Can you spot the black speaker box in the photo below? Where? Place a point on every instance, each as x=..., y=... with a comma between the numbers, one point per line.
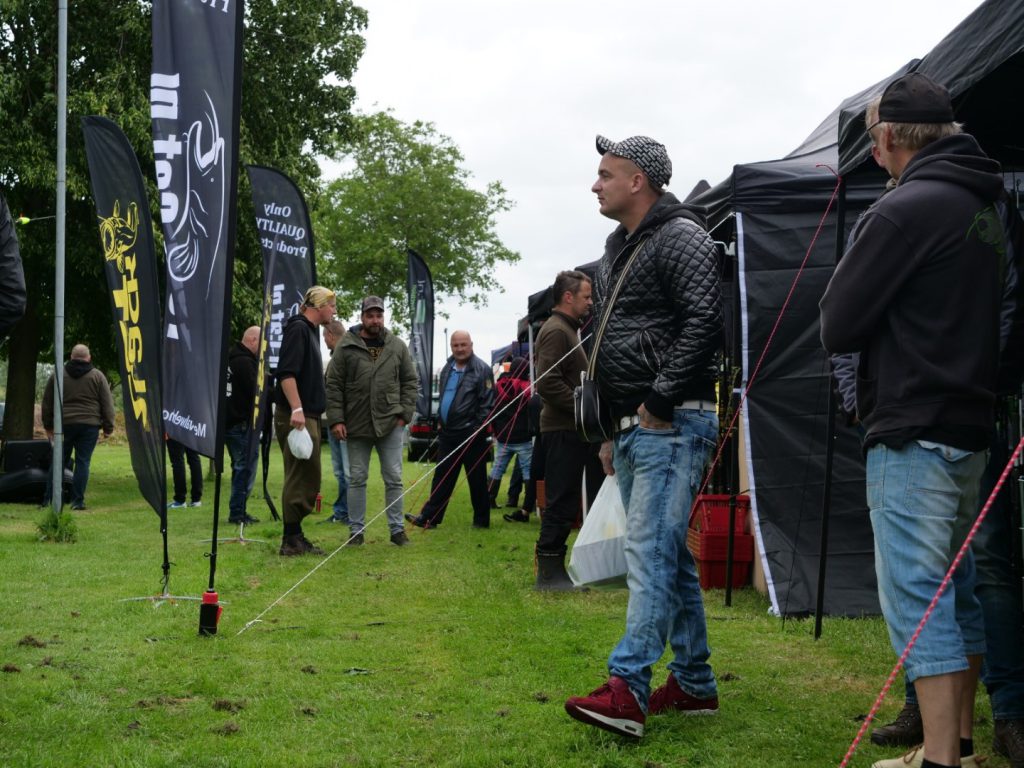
x=26, y=454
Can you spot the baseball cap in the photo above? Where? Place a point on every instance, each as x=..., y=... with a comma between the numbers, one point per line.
x=914, y=98
x=649, y=155
x=373, y=302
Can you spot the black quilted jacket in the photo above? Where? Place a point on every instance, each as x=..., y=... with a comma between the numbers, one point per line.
x=662, y=340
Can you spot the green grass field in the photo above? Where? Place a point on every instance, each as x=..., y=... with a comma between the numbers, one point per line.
x=438, y=653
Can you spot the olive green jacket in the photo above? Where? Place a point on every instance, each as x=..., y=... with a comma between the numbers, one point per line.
x=369, y=397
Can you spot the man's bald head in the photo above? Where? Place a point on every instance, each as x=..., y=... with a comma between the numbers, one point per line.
x=251, y=338
x=462, y=346
x=80, y=352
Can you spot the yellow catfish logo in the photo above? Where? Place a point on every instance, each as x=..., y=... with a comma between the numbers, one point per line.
x=119, y=235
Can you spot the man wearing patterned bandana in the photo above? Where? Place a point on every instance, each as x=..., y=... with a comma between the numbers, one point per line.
x=656, y=365
x=299, y=400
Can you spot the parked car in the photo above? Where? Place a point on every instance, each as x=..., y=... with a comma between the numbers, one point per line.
x=423, y=433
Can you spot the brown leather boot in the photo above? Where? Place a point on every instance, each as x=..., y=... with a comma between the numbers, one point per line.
x=906, y=730
x=292, y=546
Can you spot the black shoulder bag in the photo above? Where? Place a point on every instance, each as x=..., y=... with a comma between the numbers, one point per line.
x=593, y=419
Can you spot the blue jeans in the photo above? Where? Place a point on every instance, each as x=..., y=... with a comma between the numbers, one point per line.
x=236, y=439
x=659, y=473
x=389, y=451
x=923, y=499
x=339, y=463
x=82, y=439
x=522, y=451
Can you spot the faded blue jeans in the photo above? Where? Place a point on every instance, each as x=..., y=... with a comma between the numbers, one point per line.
x=659, y=474
x=522, y=451
x=923, y=499
x=389, y=450
x=1000, y=595
x=339, y=464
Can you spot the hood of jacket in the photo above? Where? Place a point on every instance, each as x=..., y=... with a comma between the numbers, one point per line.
x=665, y=208
x=239, y=350
x=958, y=160
x=76, y=369
x=353, y=338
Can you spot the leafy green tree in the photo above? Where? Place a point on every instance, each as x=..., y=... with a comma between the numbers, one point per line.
x=299, y=58
x=407, y=189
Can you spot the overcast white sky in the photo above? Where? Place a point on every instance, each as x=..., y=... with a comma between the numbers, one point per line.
x=522, y=88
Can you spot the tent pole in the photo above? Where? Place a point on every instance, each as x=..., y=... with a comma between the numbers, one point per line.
x=57, y=463
x=830, y=434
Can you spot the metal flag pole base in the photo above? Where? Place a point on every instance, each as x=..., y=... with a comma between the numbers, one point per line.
x=165, y=596
x=158, y=600
x=239, y=539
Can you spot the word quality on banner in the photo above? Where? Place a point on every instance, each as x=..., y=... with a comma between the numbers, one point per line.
x=289, y=265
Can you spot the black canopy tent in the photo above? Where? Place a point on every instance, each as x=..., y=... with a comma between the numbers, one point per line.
x=540, y=304
x=772, y=210
x=981, y=62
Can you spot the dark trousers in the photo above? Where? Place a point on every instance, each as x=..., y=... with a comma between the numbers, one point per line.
x=515, y=484
x=81, y=439
x=179, y=454
x=236, y=440
x=471, y=457
x=566, y=457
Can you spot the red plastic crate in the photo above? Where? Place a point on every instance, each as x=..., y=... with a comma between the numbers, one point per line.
x=712, y=513
x=715, y=546
x=712, y=574
x=710, y=549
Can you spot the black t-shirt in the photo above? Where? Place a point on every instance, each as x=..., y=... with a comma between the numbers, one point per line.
x=374, y=347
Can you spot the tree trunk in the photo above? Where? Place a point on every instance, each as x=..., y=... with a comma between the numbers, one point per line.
x=22, y=355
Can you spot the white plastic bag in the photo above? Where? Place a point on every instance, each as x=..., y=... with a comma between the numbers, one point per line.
x=599, y=555
x=300, y=443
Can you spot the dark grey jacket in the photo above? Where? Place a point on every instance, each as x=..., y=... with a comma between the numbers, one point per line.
x=660, y=346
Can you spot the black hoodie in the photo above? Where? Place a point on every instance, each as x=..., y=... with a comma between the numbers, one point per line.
x=242, y=370
x=300, y=360
x=918, y=294
x=660, y=345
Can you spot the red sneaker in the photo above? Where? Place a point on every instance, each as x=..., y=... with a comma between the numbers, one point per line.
x=671, y=696
x=612, y=707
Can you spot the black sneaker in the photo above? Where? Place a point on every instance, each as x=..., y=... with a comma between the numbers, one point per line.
x=519, y=516
x=399, y=538
x=1008, y=741
x=333, y=519
x=243, y=520
x=419, y=522
x=906, y=730
x=356, y=540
